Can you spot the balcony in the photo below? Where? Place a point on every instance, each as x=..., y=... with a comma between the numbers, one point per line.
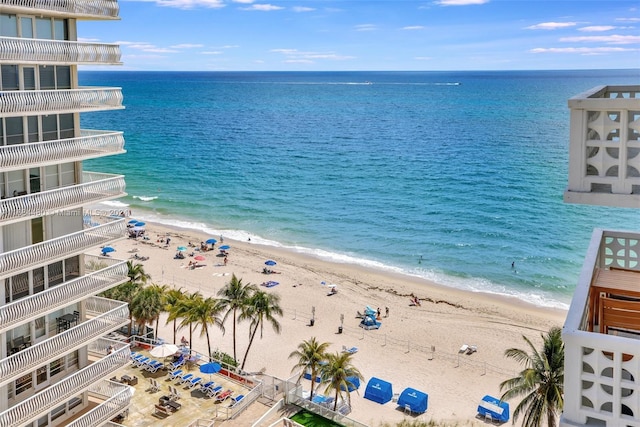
x=104, y=315
x=112, y=273
x=604, y=150
x=95, y=187
x=91, y=144
x=27, y=258
x=16, y=50
x=79, y=9
x=602, y=341
x=41, y=403
x=24, y=102
x=114, y=399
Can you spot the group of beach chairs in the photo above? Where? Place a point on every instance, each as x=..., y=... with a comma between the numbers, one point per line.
x=209, y=388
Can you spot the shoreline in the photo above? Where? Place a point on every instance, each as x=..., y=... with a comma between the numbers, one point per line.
x=417, y=346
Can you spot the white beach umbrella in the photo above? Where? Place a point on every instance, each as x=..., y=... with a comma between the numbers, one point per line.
x=164, y=350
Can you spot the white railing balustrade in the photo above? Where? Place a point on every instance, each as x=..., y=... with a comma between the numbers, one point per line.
x=19, y=50
x=95, y=188
x=77, y=8
x=116, y=399
x=109, y=315
x=65, y=294
x=24, y=259
x=51, y=397
x=91, y=144
x=20, y=102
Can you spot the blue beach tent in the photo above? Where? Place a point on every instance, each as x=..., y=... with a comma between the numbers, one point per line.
x=354, y=383
x=494, y=407
x=416, y=400
x=378, y=390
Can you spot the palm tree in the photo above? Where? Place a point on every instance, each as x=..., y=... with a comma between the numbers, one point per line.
x=310, y=354
x=126, y=292
x=136, y=273
x=235, y=295
x=262, y=307
x=172, y=301
x=146, y=306
x=541, y=382
x=337, y=374
x=185, y=311
x=204, y=312
x=162, y=291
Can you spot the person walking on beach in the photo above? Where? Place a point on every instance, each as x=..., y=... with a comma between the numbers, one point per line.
x=386, y=312
x=225, y=260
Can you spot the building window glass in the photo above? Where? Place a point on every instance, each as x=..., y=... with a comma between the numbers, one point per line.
x=34, y=180
x=67, y=129
x=32, y=129
x=44, y=28
x=23, y=383
x=56, y=366
x=29, y=78
x=8, y=26
x=15, y=132
x=60, y=29
x=47, y=77
x=55, y=273
x=49, y=127
x=67, y=174
x=51, y=177
x=38, y=280
x=26, y=27
x=10, y=79
x=63, y=77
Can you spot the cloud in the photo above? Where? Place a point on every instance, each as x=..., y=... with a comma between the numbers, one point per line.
x=298, y=61
x=551, y=25
x=597, y=28
x=263, y=7
x=302, y=9
x=186, y=46
x=612, y=39
x=146, y=47
x=365, y=27
x=211, y=52
x=243, y=1
x=297, y=56
x=459, y=2
x=187, y=4
x=414, y=27
x=628, y=19
x=581, y=50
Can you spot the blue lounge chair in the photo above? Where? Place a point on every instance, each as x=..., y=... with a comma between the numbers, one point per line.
x=184, y=378
x=213, y=392
x=153, y=366
x=175, y=374
x=177, y=363
x=235, y=400
x=205, y=386
x=194, y=382
x=141, y=362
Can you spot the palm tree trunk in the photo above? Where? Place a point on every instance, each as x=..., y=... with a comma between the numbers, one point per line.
x=234, y=336
x=155, y=331
x=175, y=329
x=253, y=334
x=191, y=335
x=206, y=331
x=313, y=382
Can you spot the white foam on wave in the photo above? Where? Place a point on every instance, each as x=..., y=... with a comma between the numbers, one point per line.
x=114, y=204
x=145, y=198
x=537, y=298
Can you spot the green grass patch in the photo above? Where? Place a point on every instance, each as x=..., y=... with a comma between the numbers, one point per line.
x=309, y=419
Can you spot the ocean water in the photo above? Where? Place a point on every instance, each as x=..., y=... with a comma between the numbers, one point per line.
x=448, y=176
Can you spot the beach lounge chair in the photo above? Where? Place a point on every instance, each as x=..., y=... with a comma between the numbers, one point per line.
x=173, y=393
x=215, y=391
x=177, y=363
x=153, y=366
x=351, y=350
x=472, y=349
x=154, y=386
x=205, y=386
x=194, y=382
x=175, y=374
x=235, y=400
x=464, y=348
x=224, y=396
x=141, y=362
x=183, y=379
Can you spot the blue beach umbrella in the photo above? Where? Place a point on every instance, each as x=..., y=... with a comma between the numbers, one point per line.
x=210, y=368
x=139, y=224
x=133, y=221
x=107, y=249
x=270, y=262
x=182, y=248
x=224, y=247
x=211, y=241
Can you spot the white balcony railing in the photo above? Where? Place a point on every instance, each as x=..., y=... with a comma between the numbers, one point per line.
x=109, y=315
x=91, y=144
x=96, y=187
x=115, y=398
x=20, y=102
x=96, y=9
x=601, y=383
x=113, y=273
x=604, y=147
x=22, y=50
x=29, y=257
x=51, y=397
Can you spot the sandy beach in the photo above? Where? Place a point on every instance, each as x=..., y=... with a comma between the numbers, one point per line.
x=417, y=346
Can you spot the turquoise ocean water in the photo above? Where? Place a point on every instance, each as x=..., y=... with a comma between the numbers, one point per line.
x=451, y=176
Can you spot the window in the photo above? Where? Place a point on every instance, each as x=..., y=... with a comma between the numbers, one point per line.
x=23, y=383
x=9, y=77
x=19, y=286
x=26, y=27
x=56, y=366
x=55, y=273
x=38, y=280
x=37, y=230
x=8, y=26
x=47, y=77
x=29, y=78
x=67, y=129
x=49, y=127
x=15, y=181
x=32, y=128
x=67, y=174
x=44, y=28
x=51, y=177
x=63, y=78
x=60, y=29
x=34, y=180
x=14, y=130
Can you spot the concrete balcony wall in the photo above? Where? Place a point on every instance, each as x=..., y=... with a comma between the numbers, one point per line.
x=79, y=9
x=16, y=313
x=90, y=144
x=602, y=373
x=16, y=50
x=28, y=102
x=96, y=187
x=29, y=257
x=41, y=403
x=604, y=150
x=105, y=315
